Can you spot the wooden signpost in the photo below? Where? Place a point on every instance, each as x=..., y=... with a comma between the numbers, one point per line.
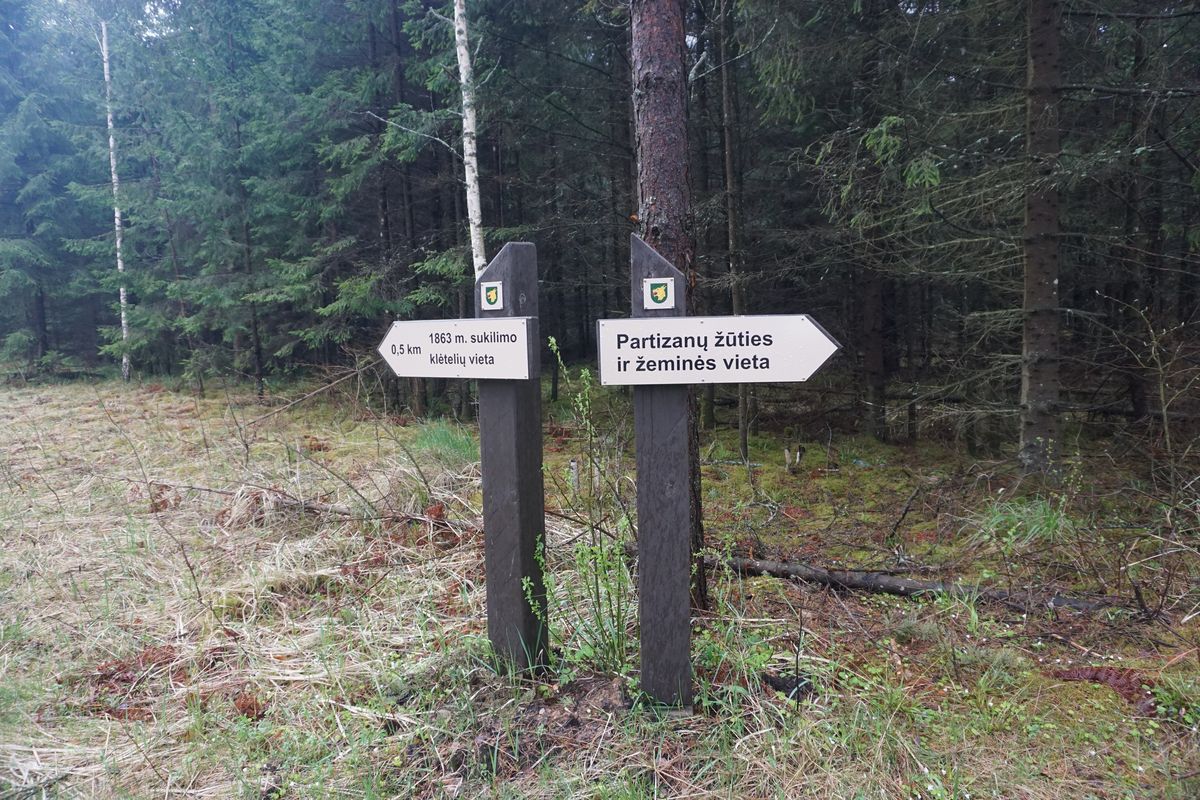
x=510, y=449
x=500, y=348
x=459, y=348
x=659, y=352
x=664, y=509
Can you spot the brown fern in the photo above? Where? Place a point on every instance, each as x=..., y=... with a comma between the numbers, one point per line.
x=1131, y=684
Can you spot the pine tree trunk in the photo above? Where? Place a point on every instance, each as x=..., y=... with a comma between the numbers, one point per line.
x=874, y=287
x=462, y=386
x=706, y=243
x=733, y=222
x=664, y=198
x=41, y=335
x=874, y=356
x=255, y=334
x=1135, y=291
x=914, y=319
x=556, y=281
x=398, y=94
x=118, y=228
x=1040, y=420
x=256, y=349
x=383, y=210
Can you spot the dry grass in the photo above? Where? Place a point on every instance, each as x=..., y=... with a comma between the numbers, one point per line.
x=195, y=606
x=143, y=522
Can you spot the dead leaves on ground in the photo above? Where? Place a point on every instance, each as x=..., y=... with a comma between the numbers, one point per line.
x=1131, y=684
x=574, y=717
x=124, y=688
x=132, y=689
x=159, y=497
x=249, y=705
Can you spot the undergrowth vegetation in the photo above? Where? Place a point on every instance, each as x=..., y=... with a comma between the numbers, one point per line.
x=200, y=597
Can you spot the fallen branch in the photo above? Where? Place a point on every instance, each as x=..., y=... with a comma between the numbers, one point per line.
x=313, y=393
x=906, y=587
x=285, y=500
x=312, y=506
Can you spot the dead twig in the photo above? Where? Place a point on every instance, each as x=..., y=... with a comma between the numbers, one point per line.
x=904, y=512
x=312, y=394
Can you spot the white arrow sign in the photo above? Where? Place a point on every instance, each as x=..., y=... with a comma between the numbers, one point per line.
x=764, y=349
x=496, y=348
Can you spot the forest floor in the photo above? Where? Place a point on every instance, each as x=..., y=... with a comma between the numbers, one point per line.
x=199, y=601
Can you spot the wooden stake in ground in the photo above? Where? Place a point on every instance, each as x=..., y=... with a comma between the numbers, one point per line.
x=664, y=508
x=116, y=186
x=510, y=445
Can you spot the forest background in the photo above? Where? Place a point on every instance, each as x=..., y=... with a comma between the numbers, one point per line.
x=290, y=180
x=256, y=569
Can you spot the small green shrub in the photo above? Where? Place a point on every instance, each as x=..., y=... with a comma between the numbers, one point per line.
x=17, y=346
x=1015, y=525
x=912, y=628
x=591, y=612
x=1178, y=700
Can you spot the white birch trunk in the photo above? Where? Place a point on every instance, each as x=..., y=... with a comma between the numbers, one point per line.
x=470, y=154
x=116, y=186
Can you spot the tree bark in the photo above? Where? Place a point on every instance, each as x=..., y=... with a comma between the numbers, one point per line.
x=118, y=228
x=658, y=59
x=41, y=334
x=1040, y=419
x=706, y=245
x=660, y=122
x=470, y=147
x=733, y=205
x=874, y=355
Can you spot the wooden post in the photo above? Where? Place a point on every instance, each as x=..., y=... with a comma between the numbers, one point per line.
x=510, y=444
x=664, y=510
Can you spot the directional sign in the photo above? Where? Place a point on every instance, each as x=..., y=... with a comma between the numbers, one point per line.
x=495, y=348
x=677, y=350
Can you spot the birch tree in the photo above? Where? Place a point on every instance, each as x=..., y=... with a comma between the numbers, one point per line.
x=116, y=192
x=470, y=150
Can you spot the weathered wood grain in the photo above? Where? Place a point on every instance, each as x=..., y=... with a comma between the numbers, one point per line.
x=664, y=509
x=510, y=444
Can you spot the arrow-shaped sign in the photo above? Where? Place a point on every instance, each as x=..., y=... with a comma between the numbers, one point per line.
x=495, y=348
x=674, y=350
